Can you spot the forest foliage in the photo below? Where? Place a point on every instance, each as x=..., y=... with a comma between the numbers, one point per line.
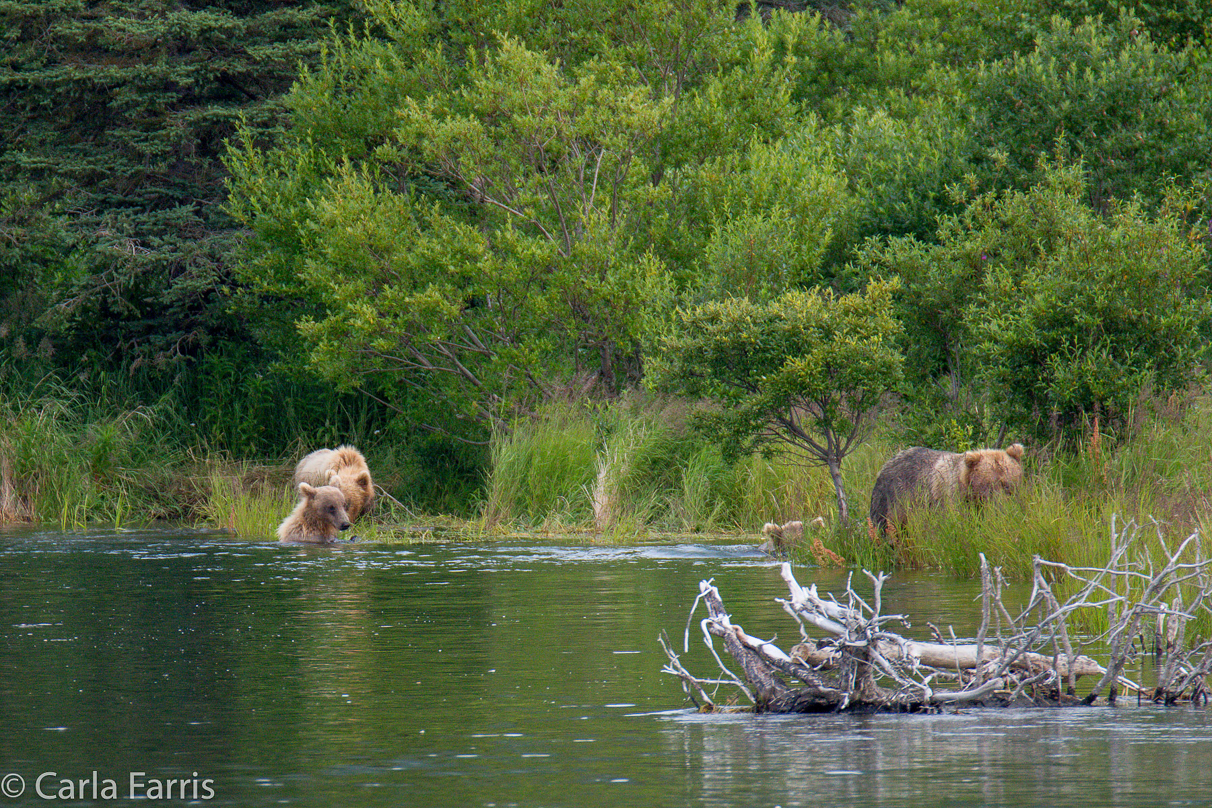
x=274, y=223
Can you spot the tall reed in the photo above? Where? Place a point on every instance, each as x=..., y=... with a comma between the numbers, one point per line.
x=640, y=466
x=245, y=499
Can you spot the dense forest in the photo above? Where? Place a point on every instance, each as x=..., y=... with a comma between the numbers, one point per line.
x=630, y=236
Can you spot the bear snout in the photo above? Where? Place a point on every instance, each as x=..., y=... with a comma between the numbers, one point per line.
x=343, y=526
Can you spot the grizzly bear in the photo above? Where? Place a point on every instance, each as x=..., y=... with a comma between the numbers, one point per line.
x=934, y=477
x=318, y=517
x=780, y=538
x=344, y=467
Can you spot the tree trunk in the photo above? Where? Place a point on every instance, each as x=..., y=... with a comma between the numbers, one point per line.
x=843, y=507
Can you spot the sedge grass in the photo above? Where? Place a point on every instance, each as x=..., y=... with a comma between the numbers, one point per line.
x=541, y=470
x=63, y=462
x=232, y=502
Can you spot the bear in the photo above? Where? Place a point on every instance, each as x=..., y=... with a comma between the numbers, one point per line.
x=345, y=468
x=318, y=517
x=933, y=477
x=781, y=537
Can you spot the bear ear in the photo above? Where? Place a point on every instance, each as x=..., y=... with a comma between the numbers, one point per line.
x=334, y=477
x=972, y=459
x=306, y=490
x=364, y=479
x=1015, y=450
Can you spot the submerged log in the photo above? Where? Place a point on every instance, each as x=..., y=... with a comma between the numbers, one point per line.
x=862, y=665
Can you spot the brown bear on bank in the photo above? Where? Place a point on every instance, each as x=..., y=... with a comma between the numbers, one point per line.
x=343, y=467
x=318, y=517
x=920, y=475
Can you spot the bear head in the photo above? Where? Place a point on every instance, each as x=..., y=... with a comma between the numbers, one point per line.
x=989, y=472
x=327, y=504
x=357, y=487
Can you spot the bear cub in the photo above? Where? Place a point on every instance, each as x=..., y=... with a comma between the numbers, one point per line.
x=319, y=516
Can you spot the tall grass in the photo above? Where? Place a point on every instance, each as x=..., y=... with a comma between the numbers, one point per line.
x=61, y=462
x=247, y=500
x=617, y=472
x=541, y=472
x=652, y=474
x=639, y=466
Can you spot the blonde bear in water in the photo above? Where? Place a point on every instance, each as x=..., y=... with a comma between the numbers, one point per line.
x=319, y=517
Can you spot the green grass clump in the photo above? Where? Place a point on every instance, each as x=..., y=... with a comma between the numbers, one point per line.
x=242, y=499
x=62, y=462
x=542, y=470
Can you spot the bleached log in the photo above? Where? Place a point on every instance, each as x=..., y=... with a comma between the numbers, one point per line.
x=833, y=617
x=864, y=665
x=767, y=669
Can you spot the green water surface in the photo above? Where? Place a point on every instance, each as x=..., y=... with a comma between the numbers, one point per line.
x=473, y=674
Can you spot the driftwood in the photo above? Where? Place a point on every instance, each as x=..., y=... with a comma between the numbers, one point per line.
x=1032, y=659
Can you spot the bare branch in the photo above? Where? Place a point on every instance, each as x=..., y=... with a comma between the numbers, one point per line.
x=863, y=665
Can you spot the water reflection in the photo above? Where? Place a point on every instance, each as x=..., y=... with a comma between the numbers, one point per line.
x=519, y=673
x=1119, y=757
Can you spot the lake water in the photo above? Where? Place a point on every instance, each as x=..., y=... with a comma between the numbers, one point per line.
x=199, y=669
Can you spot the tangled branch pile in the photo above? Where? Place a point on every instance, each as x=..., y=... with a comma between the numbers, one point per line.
x=1032, y=659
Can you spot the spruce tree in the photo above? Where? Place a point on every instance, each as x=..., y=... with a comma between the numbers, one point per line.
x=113, y=243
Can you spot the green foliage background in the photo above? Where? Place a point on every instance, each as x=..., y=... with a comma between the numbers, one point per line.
x=417, y=226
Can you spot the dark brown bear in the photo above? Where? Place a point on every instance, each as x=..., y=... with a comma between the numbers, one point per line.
x=932, y=477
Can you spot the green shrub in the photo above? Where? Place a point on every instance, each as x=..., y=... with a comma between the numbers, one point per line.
x=1059, y=313
x=1106, y=95
x=1108, y=311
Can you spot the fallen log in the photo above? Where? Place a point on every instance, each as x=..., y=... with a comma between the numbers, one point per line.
x=862, y=665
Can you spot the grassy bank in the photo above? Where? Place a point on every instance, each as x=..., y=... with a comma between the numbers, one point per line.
x=638, y=470
x=617, y=474
x=63, y=462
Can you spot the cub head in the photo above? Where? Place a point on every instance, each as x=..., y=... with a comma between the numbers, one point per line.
x=990, y=472
x=328, y=503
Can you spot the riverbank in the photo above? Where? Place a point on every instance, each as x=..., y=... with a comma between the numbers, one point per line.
x=621, y=475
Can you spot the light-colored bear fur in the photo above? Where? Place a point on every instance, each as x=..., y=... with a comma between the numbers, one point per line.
x=780, y=538
x=318, y=517
x=920, y=475
x=345, y=468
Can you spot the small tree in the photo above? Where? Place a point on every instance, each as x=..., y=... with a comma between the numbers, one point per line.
x=808, y=369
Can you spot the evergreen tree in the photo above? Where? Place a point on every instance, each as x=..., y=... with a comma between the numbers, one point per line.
x=113, y=243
